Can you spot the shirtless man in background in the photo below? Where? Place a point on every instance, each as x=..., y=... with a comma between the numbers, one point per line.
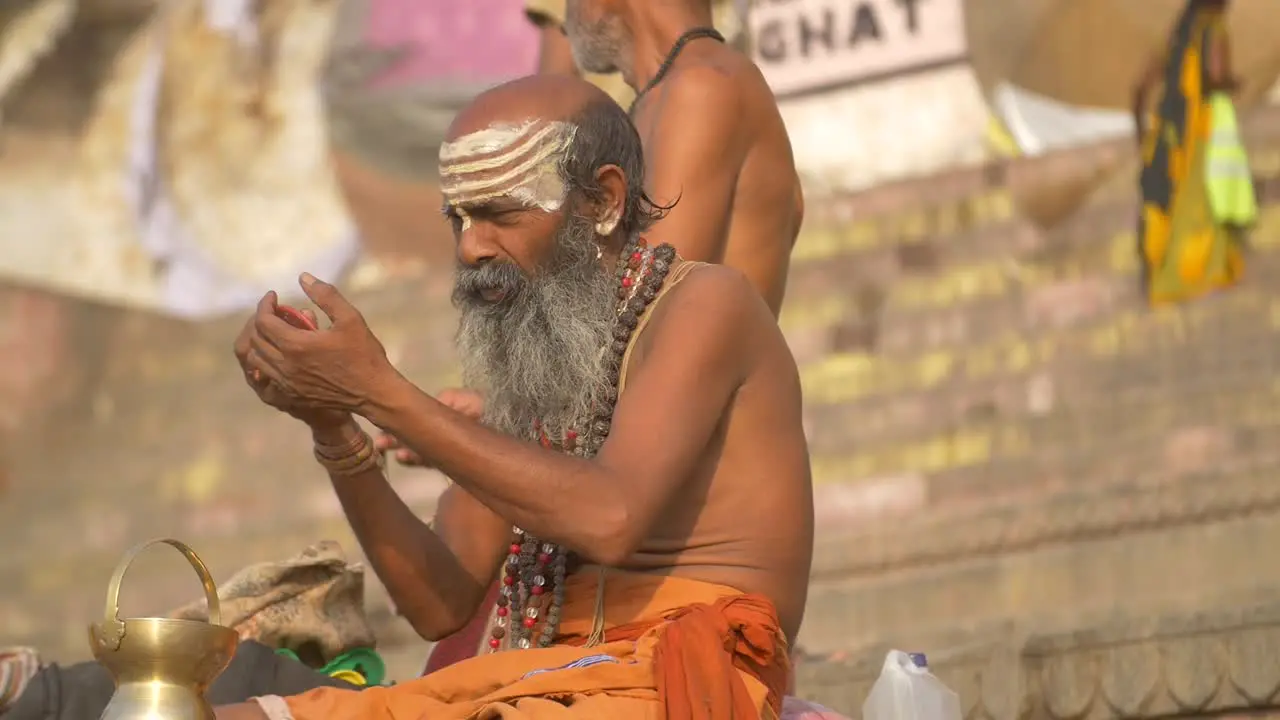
x=715, y=145
x=556, y=57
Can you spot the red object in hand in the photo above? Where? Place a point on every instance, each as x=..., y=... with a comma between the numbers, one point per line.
x=295, y=317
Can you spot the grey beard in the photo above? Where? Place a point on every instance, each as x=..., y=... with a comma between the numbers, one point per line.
x=599, y=47
x=538, y=355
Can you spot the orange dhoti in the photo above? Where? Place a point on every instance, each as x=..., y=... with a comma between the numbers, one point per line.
x=674, y=648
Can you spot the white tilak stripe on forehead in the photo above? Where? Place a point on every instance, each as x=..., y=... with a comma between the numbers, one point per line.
x=483, y=142
x=558, y=134
x=533, y=180
x=548, y=195
x=543, y=190
x=541, y=187
x=542, y=161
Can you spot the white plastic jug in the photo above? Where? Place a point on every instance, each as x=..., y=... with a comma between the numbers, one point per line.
x=906, y=690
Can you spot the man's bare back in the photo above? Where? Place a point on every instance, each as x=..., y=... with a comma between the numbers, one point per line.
x=714, y=89
x=714, y=141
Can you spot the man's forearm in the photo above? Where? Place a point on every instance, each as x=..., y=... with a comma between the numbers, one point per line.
x=422, y=575
x=564, y=499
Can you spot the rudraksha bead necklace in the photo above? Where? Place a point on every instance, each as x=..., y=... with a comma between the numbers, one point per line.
x=533, y=577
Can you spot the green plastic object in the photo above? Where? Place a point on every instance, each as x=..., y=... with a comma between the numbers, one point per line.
x=1232, y=200
x=359, y=666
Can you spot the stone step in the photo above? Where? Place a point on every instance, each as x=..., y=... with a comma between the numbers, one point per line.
x=1185, y=659
x=952, y=306
x=1068, y=553
x=874, y=226
x=978, y=470
x=1136, y=358
x=255, y=478
x=855, y=377
x=1051, y=436
x=939, y=535
x=1074, y=280
x=850, y=267
x=828, y=260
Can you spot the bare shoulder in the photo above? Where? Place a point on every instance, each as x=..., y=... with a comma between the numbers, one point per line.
x=709, y=84
x=719, y=306
x=718, y=293
x=721, y=70
x=713, y=87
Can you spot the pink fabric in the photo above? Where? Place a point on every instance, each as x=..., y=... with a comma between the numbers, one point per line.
x=793, y=708
x=463, y=644
x=476, y=40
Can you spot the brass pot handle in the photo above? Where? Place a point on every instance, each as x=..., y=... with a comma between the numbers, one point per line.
x=113, y=627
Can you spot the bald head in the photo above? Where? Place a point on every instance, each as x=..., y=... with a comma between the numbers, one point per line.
x=542, y=97
x=537, y=142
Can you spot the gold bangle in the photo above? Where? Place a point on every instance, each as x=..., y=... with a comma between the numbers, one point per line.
x=354, y=466
x=347, y=449
x=352, y=457
x=360, y=456
x=342, y=465
x=372, y=461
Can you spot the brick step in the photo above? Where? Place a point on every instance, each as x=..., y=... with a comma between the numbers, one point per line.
x=211, y=492
x=850, y=377
x=954, y=532
x=1098, y=254
x=874, y=225
x=996, y=462
x=1069, y=552
x=964, y=304
x=936, y=237
x=1041, y=420
x=1034, y=292
x=1204, y=450
x=1031, y=663
x=1025, y=379
x=931, y=237
x=200, y=393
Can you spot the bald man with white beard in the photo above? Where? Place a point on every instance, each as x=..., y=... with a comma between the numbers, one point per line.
x=640, y=477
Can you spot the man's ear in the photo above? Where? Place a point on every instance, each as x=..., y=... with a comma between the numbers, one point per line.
x=613, y=201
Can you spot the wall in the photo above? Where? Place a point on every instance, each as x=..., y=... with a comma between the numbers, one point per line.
x=87, y=209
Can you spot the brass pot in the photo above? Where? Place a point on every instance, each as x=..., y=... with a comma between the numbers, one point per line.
x=161, y=667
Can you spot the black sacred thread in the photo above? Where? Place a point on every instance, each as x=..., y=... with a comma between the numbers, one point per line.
x=685, y=38
x=533, y=578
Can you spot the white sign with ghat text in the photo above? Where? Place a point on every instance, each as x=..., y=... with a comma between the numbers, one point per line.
x=809, y=44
